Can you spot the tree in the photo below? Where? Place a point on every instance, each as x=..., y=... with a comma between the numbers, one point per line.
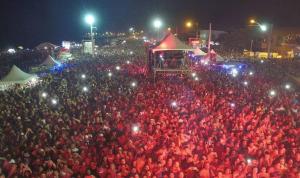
x=236, y=40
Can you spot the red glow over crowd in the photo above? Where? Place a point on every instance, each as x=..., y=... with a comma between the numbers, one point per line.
x=177, y=127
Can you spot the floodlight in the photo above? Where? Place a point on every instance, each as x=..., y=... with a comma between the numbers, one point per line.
x=90, y=19
x=157, y=23
x=263, y=27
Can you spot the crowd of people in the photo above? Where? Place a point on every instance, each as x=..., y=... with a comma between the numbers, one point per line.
x=108, y=118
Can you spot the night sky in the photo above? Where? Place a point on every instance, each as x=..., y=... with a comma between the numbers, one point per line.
x=29, y=22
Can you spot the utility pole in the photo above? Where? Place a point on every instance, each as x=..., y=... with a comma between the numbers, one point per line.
x=209, y=37
x=92, y=39
x=270, y=41
x=251, y=46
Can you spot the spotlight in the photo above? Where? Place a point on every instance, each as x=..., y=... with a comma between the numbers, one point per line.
x=287, y=86
x=196, y=78
x=194, y=74
x=109, y=74
x=262, y=61
x=251, y=73
x=232, y=105
x=246, y=83
x=83, y=76
x=118, y=68
x=127, y=62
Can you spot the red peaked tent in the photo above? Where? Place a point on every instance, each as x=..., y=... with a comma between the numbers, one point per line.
x=172, y=43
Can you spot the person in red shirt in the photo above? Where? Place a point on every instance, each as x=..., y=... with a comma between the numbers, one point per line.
x=205, y=172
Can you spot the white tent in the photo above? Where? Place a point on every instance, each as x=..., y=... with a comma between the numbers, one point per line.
x=49, y=61
x=199, y=52
x=220, y=58
x=16, y=76
x=212, y=55
x=172, y=43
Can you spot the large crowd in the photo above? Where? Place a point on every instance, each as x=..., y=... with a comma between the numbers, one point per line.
x=123, y=124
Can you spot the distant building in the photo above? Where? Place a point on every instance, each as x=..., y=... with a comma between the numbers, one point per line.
x=286, y=41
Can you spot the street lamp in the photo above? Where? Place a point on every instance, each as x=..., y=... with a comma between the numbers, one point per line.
x=90, y=19
x=190, y=24
x=265, y=28
x=157, y=24
x=252, y=21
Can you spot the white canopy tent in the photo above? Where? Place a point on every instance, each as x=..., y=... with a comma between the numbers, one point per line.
x=169, y=56
x=212, y=55
x=172, y=43
x=49, y=61
x=16, y=76
x=199, y=52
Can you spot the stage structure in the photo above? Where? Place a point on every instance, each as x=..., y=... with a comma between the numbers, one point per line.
x=169, y=56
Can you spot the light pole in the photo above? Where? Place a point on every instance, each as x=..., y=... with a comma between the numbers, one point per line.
x=270, y=41
x=189, y=24
x=264, y=28
x=90, y=19
x=157, y=24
